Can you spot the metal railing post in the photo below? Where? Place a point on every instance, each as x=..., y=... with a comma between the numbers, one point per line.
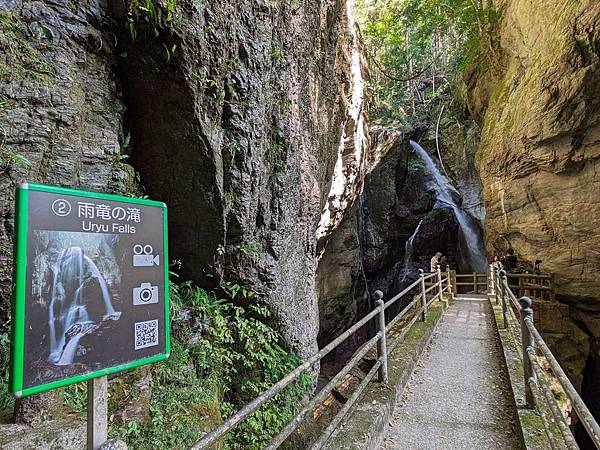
x=381, y=343
x=475, y=286
x=503, y=284
x=423, y=296
x=439, y=281
x=527, y=341
x=449, y=283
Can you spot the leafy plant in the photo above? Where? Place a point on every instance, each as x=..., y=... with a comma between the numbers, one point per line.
x=277, y=154
x=235, y=289
x=157, y=12
x=222, y=356
x=9, y=159
x=415, y=165
x=276, y=52
x=20, y=160
x=417, y=47
x=6, y=400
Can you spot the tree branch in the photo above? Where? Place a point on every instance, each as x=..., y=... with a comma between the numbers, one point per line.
x=400, y=80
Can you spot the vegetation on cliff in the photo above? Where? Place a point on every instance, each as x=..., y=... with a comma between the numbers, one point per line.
x=222, y=356
x=417, y=48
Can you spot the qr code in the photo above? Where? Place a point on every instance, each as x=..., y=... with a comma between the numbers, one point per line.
x=146, y=334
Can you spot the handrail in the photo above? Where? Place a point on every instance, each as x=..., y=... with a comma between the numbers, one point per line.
x=536, y=382
x=380, y=366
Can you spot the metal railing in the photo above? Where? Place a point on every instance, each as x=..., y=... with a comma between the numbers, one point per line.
x=537, y=386
x=437, y=282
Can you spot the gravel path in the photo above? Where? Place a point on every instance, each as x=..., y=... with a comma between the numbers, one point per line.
x=459, y=395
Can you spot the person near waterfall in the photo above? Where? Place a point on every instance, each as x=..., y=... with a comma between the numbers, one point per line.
x=510, y=261
x=435, y=262
x=497, y=264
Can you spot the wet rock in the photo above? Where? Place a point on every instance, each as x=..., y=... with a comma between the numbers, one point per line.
x=397, y=200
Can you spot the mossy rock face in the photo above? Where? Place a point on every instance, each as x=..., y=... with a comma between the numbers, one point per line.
x=539, y=153
x=22, y=57
x=60, y=434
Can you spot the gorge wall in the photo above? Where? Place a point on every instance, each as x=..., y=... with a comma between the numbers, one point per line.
x=234, y=114
x=247, y=118
x=536, y=95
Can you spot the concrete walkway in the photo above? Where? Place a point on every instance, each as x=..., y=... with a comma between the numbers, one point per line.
x=459, y=396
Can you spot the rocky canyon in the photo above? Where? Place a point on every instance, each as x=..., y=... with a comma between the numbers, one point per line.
x=280, y=139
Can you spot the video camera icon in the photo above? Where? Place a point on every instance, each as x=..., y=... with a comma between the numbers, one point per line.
x=143, y=257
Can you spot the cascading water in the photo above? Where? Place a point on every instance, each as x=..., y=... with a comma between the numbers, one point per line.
x=469, y=232
x=408, y=253
x=68, y=315
x=360, y=223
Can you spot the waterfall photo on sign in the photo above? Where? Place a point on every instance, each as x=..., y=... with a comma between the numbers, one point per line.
x=75, y=280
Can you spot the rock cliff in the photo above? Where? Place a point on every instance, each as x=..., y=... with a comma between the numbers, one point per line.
x=540, y=141
x=237, y=115
x=247, y=118
x=536, y=95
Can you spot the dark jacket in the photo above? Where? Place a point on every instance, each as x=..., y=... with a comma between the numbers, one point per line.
x=510, y=263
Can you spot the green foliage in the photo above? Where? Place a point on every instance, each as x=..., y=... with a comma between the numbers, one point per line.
x=230, y=197
x=75, y=396
x=157, y=13
x=6, y=400
x=235, y=289
x=221, y=358
x=276, y=52
x=415, y=165
x=277, y=155
x=23, y=58
x=5, y=103
x=249, y=249
x=11, y=159
x=412, y=41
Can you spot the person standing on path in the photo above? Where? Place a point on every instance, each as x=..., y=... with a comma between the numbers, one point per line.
x=497, y=264
x=435, y=262
x=510, y=261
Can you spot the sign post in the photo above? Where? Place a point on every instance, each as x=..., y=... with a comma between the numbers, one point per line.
x=91, y=292
x=97, y=412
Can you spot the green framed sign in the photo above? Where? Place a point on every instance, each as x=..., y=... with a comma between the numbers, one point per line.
x=91, y=289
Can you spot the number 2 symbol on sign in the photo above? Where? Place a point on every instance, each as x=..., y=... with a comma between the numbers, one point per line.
x=61, y=207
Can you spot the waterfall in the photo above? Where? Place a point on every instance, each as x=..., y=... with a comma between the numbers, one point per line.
x=469, y=231
x=408, y=253
x=68, y=315
x=103, y=286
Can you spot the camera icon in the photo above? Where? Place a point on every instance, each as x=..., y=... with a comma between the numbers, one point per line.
x=145, y=294
x=143, y=257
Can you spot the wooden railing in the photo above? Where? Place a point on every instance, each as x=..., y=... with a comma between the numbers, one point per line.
x=541, y=287
x=470, y=282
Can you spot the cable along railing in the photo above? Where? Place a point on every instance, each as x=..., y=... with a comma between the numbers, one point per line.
x=438, y=281
x=537, y=386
